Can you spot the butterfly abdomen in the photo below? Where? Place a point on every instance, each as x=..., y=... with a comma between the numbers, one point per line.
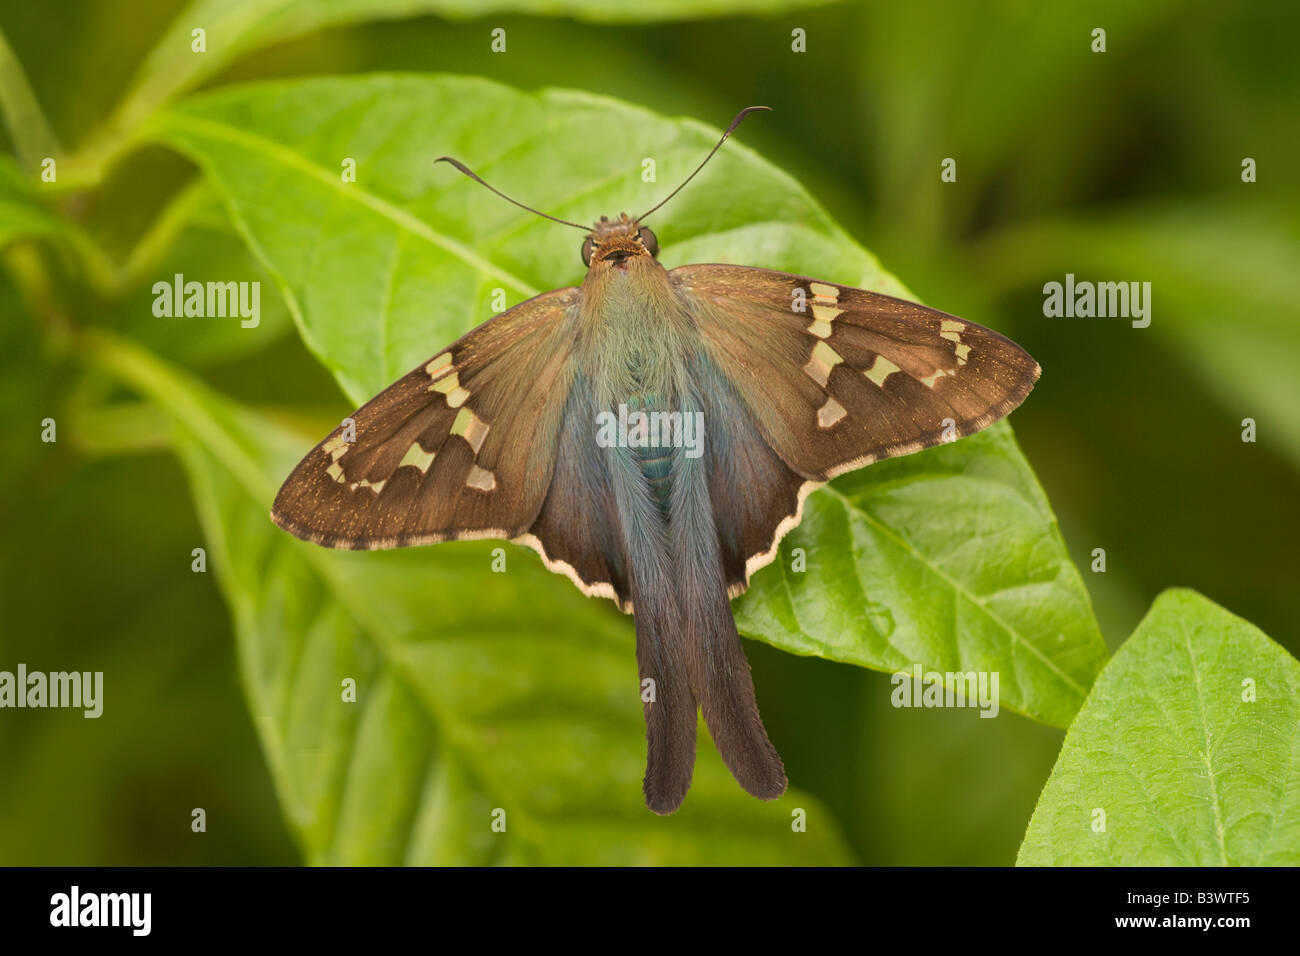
x=719, y=671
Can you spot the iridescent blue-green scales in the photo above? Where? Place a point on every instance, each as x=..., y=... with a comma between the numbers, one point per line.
x=655, y=461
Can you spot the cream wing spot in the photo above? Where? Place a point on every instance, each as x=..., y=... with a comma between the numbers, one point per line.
x=470, y=427
x=417, y=457
x=951, y=329
x=335, y=471
x=445, y=383
x=823, y=291
x=439, y=365
x=823, y=316
x=830, y=413
x=824, y=358
x=450, y=386
x=480, y=478
x=880, y=370
x=336, y=447
x=375, y=486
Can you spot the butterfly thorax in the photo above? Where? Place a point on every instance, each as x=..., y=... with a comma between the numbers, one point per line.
x=634, y=354
x=632, y=327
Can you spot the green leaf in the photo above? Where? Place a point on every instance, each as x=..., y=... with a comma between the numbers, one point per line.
x=463, y=704
x=1190, y=745
x=950, y=557
x=382, y=272
x=237, y=27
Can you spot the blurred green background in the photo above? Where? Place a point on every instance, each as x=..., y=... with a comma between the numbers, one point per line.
x=1122, y=166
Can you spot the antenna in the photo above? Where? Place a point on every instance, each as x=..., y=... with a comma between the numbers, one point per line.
x=730, y=129
x=478, y=179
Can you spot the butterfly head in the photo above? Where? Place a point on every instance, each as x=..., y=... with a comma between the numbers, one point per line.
x=615, y=241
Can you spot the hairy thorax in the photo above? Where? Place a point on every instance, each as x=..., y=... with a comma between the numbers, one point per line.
x=634, y=334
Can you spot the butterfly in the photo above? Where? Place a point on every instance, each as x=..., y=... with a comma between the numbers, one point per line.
x=653, y=434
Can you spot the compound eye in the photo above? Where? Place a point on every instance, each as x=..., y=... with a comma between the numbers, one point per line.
x=649, y=241
x=586, y=252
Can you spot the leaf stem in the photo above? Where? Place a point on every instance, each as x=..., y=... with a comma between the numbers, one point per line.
x=33, y=138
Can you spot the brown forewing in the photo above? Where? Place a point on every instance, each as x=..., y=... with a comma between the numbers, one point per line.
x=460, y=447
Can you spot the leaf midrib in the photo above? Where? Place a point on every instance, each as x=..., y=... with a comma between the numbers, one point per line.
x=1205, y=755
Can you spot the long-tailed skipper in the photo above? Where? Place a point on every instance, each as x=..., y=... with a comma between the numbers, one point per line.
x=566, y=424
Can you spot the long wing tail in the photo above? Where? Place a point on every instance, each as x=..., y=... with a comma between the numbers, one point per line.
x=662, y=651
x=670, y=706
x=726, y=693
x=719, y=670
